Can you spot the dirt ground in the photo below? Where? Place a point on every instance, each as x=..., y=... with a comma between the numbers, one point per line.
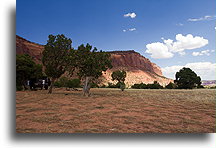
x=114, y=111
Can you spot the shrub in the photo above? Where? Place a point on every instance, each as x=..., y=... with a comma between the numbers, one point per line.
x=111, y=85
x=57, y=84
x=171, y=86
x=19, y=88
x=74, y=83
x=94, y=85
x=139, y=86
x=155, y=85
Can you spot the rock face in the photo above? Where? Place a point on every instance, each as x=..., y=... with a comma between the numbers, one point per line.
x=139, y=69
x=24, y=46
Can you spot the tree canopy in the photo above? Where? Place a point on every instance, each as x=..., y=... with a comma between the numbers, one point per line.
x=120, y=77
x=187, y=79
x=90, y=64
x=55, y=56
x=26, y=69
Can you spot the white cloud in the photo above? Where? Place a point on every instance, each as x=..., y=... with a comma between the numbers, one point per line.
x=206, y=70
x=158, y=50
x=179, y=24
x=132, y=15
x=187, y=42
x=205, y=18
x=132, y=29
x=181, y=44
x=201, y=53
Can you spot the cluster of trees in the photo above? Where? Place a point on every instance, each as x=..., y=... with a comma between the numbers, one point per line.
x=26, y=69
x=155, y=85
x=185, y=79
x=59, y=57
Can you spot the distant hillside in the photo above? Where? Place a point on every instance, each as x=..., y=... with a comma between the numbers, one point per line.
x=139, y=69
x=24, y=46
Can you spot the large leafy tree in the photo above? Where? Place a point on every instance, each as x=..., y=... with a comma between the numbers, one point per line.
x=120, y=77
x=187, y=79
x=55, y=57
x=26, y=69
x=90, y=64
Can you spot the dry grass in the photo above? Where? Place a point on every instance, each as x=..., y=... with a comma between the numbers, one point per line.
x=114, y=111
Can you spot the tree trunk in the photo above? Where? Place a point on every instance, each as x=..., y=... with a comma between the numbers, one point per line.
x=86, y=86
x=51, y=86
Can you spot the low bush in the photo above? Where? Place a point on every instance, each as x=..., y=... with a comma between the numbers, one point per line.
x=155, y=85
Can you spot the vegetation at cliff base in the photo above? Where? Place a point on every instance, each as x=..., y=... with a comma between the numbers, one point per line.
x=55, y=56
x=120, y=77
x=26, y=69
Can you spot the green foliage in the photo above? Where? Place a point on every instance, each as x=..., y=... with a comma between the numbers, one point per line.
x=26, y=69
x=91, y=63
x=57, y=84
x=139, y=86
x=19, y=87
x=74, y=83
x=187, y=79
x=120, y=77
x=155, y=85
x=111, y=85
x=65, y=82
x=171, y=86
x=94, y=85
x=55, y=55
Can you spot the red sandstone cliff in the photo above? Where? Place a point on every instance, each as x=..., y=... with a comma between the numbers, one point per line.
x=24, y=46
x=139, y=69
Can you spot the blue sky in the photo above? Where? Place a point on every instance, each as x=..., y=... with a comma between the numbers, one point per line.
x=140, y=25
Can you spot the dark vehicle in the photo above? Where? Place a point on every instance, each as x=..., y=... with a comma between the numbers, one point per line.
x=39, y=83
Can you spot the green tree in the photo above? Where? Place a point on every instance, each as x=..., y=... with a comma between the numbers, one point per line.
x=90, y=64
x=155, y=85
x=187, y=79
x=120, y=77
x=55, y=57
x=139, y=86
x=170, y=86
x=26, y=69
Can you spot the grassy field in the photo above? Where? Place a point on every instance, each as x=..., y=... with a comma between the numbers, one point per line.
x=114, y=111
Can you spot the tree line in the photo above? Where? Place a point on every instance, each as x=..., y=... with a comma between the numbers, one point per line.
x=184, y=79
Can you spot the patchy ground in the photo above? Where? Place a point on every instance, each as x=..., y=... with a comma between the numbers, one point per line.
x=114, y=111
